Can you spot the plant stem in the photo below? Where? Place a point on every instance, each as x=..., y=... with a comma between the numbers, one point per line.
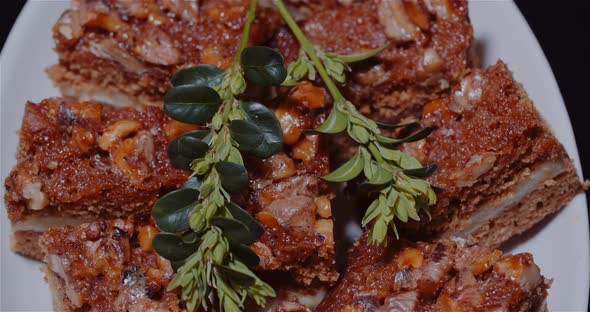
x=310, y=50
x=246, y=32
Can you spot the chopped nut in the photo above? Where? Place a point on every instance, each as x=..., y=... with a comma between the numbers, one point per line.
x=211, y=56
x=145, y=235
x=308, y=95
x=437, y=111
x=432, y=62
x=116, y=132
x=487, y=262
x=416, y=14
x=187, y=9
x=474, y=168
x=410, y=257
x=134, y=157
x=279, y=166
x=82, y=139
x=394, y=18
x=109, y=49
x=106, y=21
x=307, y=148
x=288, y=116
x=87, y=111
x=441, y=8
x=323, y=206
x=156, y=47
x=174, y=128
x=37, y=199
x=325, y=227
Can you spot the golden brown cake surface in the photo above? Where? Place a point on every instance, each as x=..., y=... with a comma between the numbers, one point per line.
x=429, y=50
x=111, y=266
x=83, y=161
x=449, y=275
x=125, y=52
x=501, y=168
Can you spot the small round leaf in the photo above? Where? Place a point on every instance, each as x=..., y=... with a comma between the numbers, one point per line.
x=246, y=255
x=242, y=215
x=260, y=133
x=264, y=66
x=422, y=172
x=187, y=147
x=236, y=232
x=200, y=75
x=236, y=276
x=192, y=183
x=173, y=247
x=172, y=211
x=350, y=170
x=234, y=177
x=191, y=104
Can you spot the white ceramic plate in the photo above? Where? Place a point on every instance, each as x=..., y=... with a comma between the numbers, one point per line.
x=560, y=245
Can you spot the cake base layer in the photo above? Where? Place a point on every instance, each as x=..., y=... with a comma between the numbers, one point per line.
x=26, y=243
x=500, y=168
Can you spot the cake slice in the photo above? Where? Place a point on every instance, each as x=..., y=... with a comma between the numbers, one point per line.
x=79, y=162
x=448, y=275
x=124, y=52
x=501, y=168
x=111, y=266
x=429, y=49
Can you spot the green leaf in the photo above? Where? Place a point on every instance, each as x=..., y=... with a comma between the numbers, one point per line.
x=173, y=247
x=246, y=255
x=437, y=189
x=260, y=134
x=234, y=177
x=396, y=126
x=264, y=66
x=236, y=276
x=242, y=215
x=192, y=183
x=200, y=75
x=357, y=57
x=172, y=211
x=236, y=231
x=335, y=123
x=348, y=171
x=187, y=147
x=422, y=172
x=359, y=134
x=191, y=103
x=411, y=138
x=382, y=176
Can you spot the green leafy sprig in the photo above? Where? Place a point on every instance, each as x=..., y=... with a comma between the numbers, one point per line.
x=394, y=175
x=204, y=234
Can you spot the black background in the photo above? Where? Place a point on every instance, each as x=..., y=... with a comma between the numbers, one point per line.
x=563, y=30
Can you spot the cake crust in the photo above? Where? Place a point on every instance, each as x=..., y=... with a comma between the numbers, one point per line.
x=111, y=266
x=447, y=275
x=429, y=50
x=85, y=161
x=126, y=52
x=501, y=168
